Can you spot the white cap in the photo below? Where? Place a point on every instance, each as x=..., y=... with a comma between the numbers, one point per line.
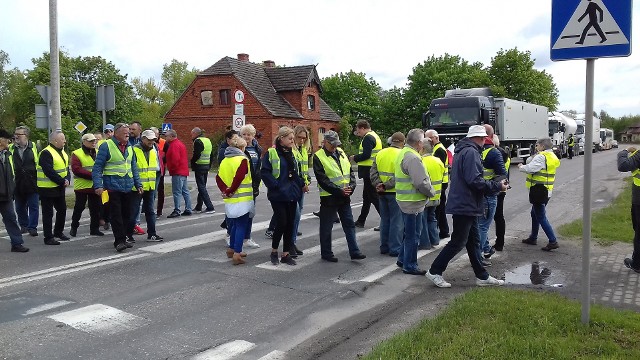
x=477, y=131
x=149, y=134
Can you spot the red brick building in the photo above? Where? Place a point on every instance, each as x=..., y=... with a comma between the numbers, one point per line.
x=273, y=97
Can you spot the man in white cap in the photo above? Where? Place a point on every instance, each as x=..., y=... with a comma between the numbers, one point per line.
x=82, y=161
x=466, y=203
x=147, y=161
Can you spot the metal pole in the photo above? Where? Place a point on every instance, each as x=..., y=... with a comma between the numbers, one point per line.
x=586, y=209
x=104, y=118
x=54, y=59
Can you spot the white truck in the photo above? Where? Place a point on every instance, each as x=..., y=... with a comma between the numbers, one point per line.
x=594, y=137
x=560, y=128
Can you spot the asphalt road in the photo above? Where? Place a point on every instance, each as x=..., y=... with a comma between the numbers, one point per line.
x=182, y=299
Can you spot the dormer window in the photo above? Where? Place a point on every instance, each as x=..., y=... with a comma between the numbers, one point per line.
x=311, y=102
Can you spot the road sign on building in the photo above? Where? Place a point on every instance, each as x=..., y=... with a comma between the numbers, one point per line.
x=166, y=126
x=588, y=29
x=238, y=122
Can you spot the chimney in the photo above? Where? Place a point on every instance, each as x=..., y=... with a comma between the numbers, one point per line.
x=269, y=63
x=243, y=57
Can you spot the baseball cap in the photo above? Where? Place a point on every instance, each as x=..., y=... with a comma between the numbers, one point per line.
x=332, y=138
x=88, y=137
x=397, y=137
x=108, y=127
x=149, y=134
x=477, y=131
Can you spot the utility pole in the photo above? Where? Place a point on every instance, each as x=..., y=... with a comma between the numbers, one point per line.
x=54, y=65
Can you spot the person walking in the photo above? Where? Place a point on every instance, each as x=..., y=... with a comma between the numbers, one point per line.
x=629, y=160
x=178, y=167
x=7, y=191
x=53, y=177
x=368, y=150
x=570, y=146
x=332, y=170
x=116, y=171
x=441, y=153
x=147, y=163
x=465, y=203
x=541, y=174
x=104, y=207
x=429, y=236
x=201, y=164
x=383, y=179
x=82, y=161
x=498, y=218
x=254, y=152
x=25, y=157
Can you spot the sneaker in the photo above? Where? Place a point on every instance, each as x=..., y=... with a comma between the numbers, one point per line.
x=437, y=280
x=138, y=230
x=174, y=214
x=297, y=251
x=488, y=255
x=62, y=237
x=287, y=260
x=358, y=256
x=491, y=281
x=121, y=247
x=274, y=258
x=268, y=234
x=497, y=248
x=186, y=213
x=550, y=246
x=359, y=224
x=128, y=245
x=130, y=239
x=627, y=262
x=377, y=228
x=33, y=232
x=251, y=244
x=19, y=248
x=316, y=213
x=96, y=233
x=73, y=232
x=530, y=241
x=154, y=238
x=197, y=210
x=210, y=211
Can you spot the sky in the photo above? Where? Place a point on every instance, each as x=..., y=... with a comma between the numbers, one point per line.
x=383, y=39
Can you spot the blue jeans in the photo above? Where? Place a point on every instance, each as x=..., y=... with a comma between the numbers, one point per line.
x=409, y=251
x=27, y=208
x=144, y=202
x=11, y=223
x=429, y=235
x=391, y=225
x=484, y=222
x=179, y=188
x=237, y=228
x=539, y=219
x=327, y=217
x=465, y=234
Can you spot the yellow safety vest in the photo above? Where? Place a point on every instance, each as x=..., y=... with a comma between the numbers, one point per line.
x=405, y=191
x=545, y=176
x=339, y=175
x=445, y=180
x=60, y=166
x=146, y=169
x=12, y=148
x=205, y=155
x=374, y=152
x=572, y=142
x=386, y=165
x=635, y=173
x=117, y=165
x=488, y=174
x=435, y=169
x=274, y=159
x=87, y=163
x=228, y=168
x=302, y=156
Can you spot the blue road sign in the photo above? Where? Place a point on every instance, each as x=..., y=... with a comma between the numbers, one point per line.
x=588, y=29
x=166, y=126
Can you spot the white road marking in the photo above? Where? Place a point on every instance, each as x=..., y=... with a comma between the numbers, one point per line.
x=226, y=351
x=45, y=307
x=99, y=319
x=274, y=355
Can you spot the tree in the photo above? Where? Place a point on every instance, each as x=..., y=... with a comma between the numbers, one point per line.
x=155, y=101
x=394, y=112
x=176, y=77
x=10, y=81
x=513, y=75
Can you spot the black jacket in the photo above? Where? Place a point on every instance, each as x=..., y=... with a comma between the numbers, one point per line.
x=628, y=162
x=198, y=148
x=46, y=163
x=368, y=143
x=25, y=170
x=7, y=183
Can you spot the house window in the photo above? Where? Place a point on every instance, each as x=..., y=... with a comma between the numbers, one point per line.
x=311, y=102
x=225, y=95
x=207, y=97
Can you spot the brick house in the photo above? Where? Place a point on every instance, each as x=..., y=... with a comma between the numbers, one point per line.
x=273, y=97
x=631, y=134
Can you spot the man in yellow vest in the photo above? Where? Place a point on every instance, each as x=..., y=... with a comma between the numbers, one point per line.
x=441, y=153
x=429, y=236
x=7, y=190
x=201, y=164
x=25, y=159
x=571, y=145
x=629, y=160
x=369, y=148
x=336, y=181
x=82, y=166
x=413, y=188
x=382, y=177
x=53, y=177
x=147, y=164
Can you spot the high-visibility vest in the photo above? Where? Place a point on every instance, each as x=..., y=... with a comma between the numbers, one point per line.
x=386, y=165
x=228, y=168
x=117, y=165
x=437, y=146
x=12, y=148
x=545, y=176
x=87, y=163
x=302, y=156
x=405, y=191
x=205, y=155
x=146, y=169
x=487, y=174
x=374, y=152
x=572, y=142
x=60, y=166
x=274, y=159
x=337, y=174
x=435, y=169
x=635, y=173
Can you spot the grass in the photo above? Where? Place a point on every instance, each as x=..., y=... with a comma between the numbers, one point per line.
x=500, y=323
x=615, y=216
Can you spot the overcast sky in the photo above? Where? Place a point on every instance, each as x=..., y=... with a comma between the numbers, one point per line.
x=383, y=39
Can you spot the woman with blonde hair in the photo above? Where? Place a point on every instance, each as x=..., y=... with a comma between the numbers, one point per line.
x=301, y=153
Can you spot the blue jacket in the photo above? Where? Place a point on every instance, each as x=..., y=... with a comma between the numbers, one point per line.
x=284, y=188
x=114, y=183
x=495, y=162
x=466, y=184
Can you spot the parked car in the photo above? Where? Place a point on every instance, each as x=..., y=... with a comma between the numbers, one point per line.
x=614, y=144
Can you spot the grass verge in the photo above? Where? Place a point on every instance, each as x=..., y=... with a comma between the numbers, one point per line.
x=610, y=224
x=500, y=323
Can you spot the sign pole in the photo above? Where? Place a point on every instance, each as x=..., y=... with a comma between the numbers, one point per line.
x=54, y=60
x=586, y=209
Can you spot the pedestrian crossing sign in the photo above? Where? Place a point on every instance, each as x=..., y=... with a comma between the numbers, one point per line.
x=166, y=127
x=588, y=29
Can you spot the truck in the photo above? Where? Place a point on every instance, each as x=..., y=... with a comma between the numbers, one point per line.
x=606, y=139
x=518, y=124
x=560, y=128
x=594, y=137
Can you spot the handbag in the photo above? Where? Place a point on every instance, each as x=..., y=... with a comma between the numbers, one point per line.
x=538, y=194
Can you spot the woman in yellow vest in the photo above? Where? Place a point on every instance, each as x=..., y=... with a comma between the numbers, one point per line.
x=82, y=161
x=541, y=171
x=301, y=153
x=234, y=181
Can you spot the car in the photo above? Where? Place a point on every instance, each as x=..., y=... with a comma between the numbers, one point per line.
x=614, y=144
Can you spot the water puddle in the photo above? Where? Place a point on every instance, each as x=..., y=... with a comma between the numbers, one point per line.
x=535, y=273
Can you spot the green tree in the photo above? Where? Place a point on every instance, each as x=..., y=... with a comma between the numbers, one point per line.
x=155, y=101
x=176, y=77
x=394, y=112
x=513, y=75
x=10, y=81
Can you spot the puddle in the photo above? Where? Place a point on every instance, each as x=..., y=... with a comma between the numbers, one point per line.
x=535, y=273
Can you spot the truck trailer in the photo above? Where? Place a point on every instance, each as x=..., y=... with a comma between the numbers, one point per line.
x=594, y=137
x=560, y=128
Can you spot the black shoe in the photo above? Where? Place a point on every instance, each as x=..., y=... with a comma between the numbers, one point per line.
x=627, y=262
x=299, y=234
x=377, y=228
x=106, y=225
x=128, y=244
x=415, y=272
x=154, y=238
x=358, y=256
x=336, y=221
x=550, y=246
x=530, y=241
x=443, y=236
x=174, y=214
x=330, y=258
x=316, y=213
x=198, y=210
x=490, y=253
x=268, y=234
x=293, y=254
x=297, y=251
x=19, y=248
x=359, y=224
x=224, y=224
x=33, y=232
x=121, y=247
x=274, y=258
x=73, y=232
x=288, y=260
x=485, y=263
x=130, y=239
x=186, y=213
x=96, y=233
x=62, y=237
x=399, y=264
x=51, y=242
x=497, y=248
x=24, y=230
